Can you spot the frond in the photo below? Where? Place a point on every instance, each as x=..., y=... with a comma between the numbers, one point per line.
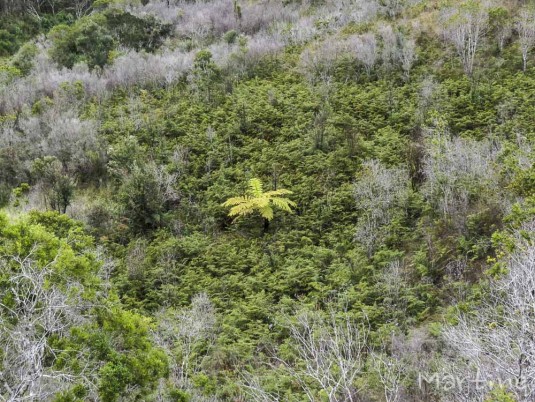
x=266, y=212
x=261, y=202
x=283, y=203
x=255, y=188
x=235, y=201
x=242, y=209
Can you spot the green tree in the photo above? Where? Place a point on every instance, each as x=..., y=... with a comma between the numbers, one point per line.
x=256, y=200
x=57, y=187
x=88, y=40
x=135, y=32
x=207, y=76
x=146, y=196
x=24, y=58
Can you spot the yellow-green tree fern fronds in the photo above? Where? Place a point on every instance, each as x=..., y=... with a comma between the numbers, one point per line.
x=256, y=200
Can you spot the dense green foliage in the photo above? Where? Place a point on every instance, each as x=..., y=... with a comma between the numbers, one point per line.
x=92, y=39
x=14, y=32
x=117, y=340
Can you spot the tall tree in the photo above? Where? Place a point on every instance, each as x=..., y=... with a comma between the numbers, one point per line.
x=495, y=343
x=327, y=356
x=525, y=26
x=464, y=27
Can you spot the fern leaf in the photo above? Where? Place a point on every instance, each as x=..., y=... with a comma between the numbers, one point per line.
x=262, y=202
x=255, y=200
x=266, y=212
x=243, y=208
x=283, y=203
x=255, y=188
x=235, y=201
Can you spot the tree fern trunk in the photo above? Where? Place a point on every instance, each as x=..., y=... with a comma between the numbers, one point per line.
x=266, y=225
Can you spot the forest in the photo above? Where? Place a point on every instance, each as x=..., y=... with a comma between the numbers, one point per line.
x=267, y=200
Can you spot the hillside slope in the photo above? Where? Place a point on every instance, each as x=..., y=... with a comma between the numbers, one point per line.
x=397, y=266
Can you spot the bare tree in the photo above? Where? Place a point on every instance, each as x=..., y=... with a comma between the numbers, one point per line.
x=180, y=332
x=394, y=280
x=327, y=352
x=407, y=55
x=58, y=131
x=495, y=343
x=458, y=172
x=366, y=52
x=34, y=7
x=390, y=50
x=81, y=7
x=135, y=259
x=500, y=25
x=319, y=62
x=464, y=28
x=31, y=312
x=397, y=49
x=256, y=391
x=392, y=8
x=380, y=194
x=428, y=97
x=330, y=354
x=166, y=183
x=391, y=367
x=525, y=26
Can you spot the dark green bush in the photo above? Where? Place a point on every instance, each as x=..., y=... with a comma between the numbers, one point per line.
x=86, y=41
x=134, y=32
x=93, y=38
x=141, y=200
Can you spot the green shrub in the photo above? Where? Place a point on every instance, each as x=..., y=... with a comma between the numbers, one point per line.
x=109, y=342
x=8, y=43
x=143, y=201
x=92, y=39
x=57, y=187
x=134, y=32
x=230, y=37
x=23, y=60
x=5, y=194
x=87, y=41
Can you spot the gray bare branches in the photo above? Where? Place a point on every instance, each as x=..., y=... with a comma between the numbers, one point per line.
x=37, y=311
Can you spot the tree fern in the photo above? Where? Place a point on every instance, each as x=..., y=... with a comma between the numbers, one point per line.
x=256, y=200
